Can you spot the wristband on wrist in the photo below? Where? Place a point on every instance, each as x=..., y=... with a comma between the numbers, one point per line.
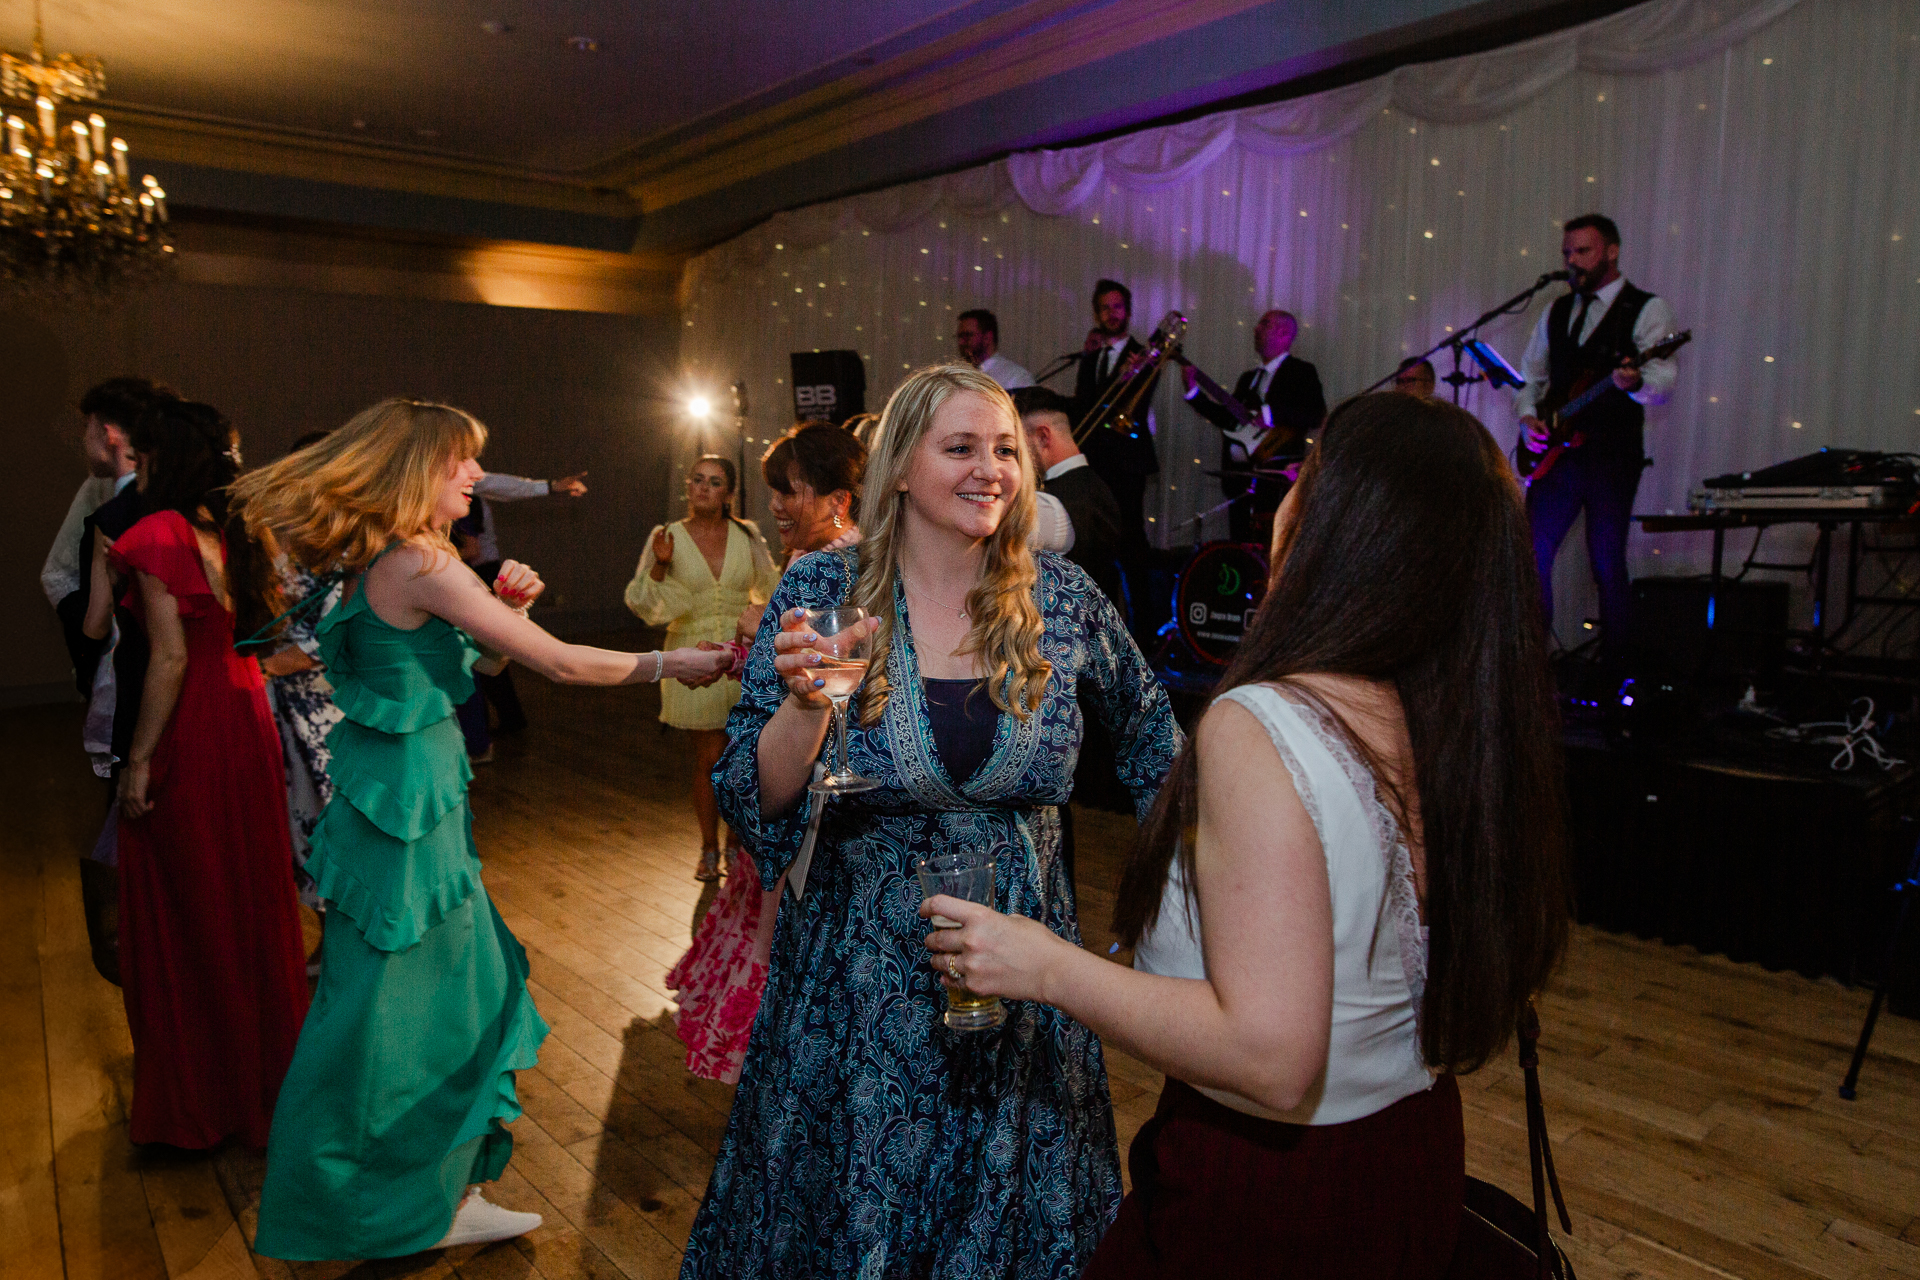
x=659, y=665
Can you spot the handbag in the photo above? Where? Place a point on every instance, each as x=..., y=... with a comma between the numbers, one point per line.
x=1501, y=1238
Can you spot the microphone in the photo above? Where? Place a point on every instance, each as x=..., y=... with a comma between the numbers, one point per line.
x=1551, y=276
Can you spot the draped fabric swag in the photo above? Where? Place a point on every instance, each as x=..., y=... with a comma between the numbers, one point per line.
x=1757, y=155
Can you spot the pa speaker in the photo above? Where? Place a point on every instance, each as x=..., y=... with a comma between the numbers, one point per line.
x=1681, y=625
x=828, y=385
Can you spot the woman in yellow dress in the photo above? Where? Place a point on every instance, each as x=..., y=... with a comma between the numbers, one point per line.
x=697, y=578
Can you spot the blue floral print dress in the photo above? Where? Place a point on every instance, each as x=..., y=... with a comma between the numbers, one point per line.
x=868, y=1140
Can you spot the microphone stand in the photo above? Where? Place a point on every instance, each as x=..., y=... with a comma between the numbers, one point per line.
x=1057, y=368
x=1512, y=306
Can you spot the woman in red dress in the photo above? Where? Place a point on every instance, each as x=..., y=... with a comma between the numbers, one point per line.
x=212, y=962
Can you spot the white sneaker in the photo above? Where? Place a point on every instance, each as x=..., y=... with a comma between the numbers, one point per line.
x=481, y=1222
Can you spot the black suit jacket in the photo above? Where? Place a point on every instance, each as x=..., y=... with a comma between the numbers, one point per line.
x=130, y=656
x=1096, y=528
x=1109, y=450
x=115, y=516
x=1295, y=398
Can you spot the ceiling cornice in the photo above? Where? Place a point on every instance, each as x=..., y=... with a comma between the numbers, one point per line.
x=1021, y=47
x=155, y=135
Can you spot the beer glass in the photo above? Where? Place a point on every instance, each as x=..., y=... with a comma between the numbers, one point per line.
x=968, y=875
x=843, y=647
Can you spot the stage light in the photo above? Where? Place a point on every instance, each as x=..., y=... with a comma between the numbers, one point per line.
x=699, y=407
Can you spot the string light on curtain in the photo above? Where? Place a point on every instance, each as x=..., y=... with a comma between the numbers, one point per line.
x=72, y=222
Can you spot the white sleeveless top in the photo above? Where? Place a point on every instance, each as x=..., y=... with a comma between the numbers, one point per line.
x=1379, y=944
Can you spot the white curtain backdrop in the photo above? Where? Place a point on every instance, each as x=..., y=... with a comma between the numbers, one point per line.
x=1762, y=158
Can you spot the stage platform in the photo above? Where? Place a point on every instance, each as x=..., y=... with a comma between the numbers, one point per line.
x=1692, y=1099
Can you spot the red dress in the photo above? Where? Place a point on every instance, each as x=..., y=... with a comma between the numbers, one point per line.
x=212, y=961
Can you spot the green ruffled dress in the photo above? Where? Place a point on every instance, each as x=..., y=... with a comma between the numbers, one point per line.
x=403, y=1078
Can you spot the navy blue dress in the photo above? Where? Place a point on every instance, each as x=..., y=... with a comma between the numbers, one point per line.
x=867, y=1140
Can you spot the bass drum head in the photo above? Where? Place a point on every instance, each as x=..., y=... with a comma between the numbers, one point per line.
x=1219, y=591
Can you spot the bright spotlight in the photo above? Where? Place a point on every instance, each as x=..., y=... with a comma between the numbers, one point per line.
x=699, y=407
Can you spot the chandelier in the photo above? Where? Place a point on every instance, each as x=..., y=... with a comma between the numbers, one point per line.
x=72, y=222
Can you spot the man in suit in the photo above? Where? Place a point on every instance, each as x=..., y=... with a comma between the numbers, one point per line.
x=1078, y=516
x=1289, y=388
x=1121, y=455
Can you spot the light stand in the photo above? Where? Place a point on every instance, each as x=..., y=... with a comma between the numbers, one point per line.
x=1496, y=372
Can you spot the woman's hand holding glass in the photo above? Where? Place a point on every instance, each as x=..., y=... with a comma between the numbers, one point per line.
x=992, y=954
x=797, y=660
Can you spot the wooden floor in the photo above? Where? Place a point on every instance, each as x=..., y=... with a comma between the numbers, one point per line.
x=1692, y=1100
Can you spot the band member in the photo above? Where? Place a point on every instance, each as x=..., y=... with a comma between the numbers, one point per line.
x=1415, y=377
x=977, y=334
x=1595, y=327
x=1290, y=388
x=1122, y=456
x=1080, y=518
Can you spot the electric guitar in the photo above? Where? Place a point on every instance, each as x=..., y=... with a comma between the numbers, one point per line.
x=1255, y=424
x=1558, y=412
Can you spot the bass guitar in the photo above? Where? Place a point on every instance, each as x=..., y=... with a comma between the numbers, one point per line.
x=1558, y=413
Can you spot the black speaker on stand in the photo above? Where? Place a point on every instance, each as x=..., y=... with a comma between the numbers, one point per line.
x=828, y=385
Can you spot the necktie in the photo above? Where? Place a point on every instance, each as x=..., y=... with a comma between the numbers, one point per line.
x=1106, y=363
x=1580, y=318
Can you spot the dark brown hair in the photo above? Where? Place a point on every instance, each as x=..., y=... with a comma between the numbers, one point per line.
x=1408, y=562
x=193, y=454
x=826, y=457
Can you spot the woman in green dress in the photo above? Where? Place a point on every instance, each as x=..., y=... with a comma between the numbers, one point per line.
x=394, y=1109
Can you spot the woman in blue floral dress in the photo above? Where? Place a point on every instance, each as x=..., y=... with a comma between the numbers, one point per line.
x=867, y=1138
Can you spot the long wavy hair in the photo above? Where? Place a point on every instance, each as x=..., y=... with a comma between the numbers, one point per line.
x=1408, y=562
x=1006, y=619
x=341, y=501
x=193, y=457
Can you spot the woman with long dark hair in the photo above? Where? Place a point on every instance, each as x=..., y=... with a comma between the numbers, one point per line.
x=813, y=476
x=696, y=577
x=1350, y=886
x=211, y=961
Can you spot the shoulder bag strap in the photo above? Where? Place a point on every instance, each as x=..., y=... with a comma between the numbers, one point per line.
x=1539, y=1150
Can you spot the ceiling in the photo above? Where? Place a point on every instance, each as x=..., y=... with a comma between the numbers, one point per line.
x=666, y=126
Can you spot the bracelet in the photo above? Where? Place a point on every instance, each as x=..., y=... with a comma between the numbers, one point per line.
x=659, y=665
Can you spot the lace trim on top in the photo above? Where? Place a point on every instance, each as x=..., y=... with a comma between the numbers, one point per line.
x=1402, y=905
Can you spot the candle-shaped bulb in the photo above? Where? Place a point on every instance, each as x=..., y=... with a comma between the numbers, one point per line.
x=102, y=179
x=16, y=127
x=82, y=143
x=120, y=159
x=146, y=208
x=160, y=203
x=98, y=124
x=47, y=130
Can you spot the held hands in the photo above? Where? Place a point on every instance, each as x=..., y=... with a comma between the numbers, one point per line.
x=517, y=586
x=995, y=955
x=700, y=665
x=795, y=658
x=1534, y=432
x=133, y=789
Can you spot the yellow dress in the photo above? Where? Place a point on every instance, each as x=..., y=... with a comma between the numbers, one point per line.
x=693, y=606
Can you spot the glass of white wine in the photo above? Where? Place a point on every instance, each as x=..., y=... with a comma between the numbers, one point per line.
x=843, y=647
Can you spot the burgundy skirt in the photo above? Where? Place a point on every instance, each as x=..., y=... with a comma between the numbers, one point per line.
x=1217, y=1192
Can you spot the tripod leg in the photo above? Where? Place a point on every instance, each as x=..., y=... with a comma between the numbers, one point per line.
x=1907, y=888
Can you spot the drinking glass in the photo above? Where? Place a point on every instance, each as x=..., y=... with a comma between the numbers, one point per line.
x=967, y=875
x=843, y=647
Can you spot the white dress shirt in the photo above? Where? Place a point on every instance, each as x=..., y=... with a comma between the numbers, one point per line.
x=60, y=575
x=1009, y=375
x=501, y=488
x=1052, y=527
x=1654, y=323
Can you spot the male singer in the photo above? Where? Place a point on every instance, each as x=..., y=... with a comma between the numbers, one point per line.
x=1122, y=456
x=1290, y=388
x=1599, y=324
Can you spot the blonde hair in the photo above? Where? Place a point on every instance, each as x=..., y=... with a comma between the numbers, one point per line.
x=1006, y=621
x=341, y=501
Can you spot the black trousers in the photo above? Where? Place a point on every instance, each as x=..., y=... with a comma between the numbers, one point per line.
x=1602, y=484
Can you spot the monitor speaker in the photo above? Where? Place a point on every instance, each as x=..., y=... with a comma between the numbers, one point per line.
x=1686, y=629
x=828, y=385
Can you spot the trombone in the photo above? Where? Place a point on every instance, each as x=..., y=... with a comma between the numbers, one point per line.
x=1120, y=399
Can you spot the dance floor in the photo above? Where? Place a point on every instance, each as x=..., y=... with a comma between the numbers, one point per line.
x=1691, y=1100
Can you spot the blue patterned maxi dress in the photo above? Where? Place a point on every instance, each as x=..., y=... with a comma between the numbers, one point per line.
x=867, y=1140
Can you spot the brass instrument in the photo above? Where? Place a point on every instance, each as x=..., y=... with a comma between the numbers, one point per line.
x=1120, y=399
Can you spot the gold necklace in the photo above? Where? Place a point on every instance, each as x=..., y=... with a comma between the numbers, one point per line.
x=961, y=613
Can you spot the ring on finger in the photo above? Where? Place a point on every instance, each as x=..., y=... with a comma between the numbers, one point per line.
x=953, y=967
